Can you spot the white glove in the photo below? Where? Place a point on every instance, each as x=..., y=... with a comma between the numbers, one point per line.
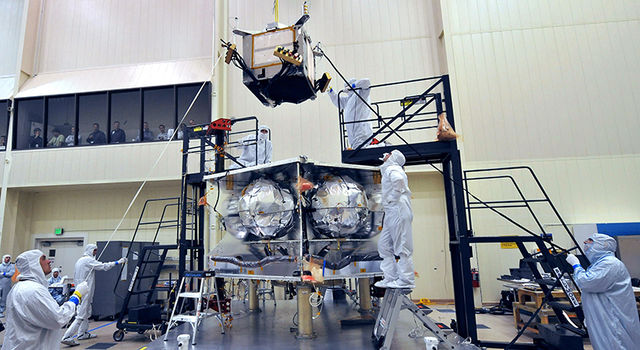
x=122, y=261
x=573, y=260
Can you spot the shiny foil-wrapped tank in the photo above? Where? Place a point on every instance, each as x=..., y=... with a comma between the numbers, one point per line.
x=266, y=209
x=339, y=206
x=288, y=216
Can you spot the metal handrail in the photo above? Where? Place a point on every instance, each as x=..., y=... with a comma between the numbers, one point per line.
x=524, y=200
x=384, y=126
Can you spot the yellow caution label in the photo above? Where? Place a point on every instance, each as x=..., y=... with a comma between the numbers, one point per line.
x=508, y=245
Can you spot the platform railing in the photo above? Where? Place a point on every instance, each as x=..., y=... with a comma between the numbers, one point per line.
x=415, y=112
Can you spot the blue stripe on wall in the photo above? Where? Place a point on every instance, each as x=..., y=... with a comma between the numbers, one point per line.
x=620, y=229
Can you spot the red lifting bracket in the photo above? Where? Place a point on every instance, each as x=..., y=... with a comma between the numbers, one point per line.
x=220, y=124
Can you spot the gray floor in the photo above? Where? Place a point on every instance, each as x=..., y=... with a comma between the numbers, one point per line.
x=270, y=329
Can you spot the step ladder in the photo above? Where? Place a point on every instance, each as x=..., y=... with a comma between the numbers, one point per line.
x=202, y=280
x=395, y=300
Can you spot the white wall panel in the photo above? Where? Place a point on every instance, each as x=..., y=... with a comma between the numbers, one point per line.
x=81, y=212
x=11, y=15
x=548, y=72
x=551, y=84
x=6, y=87
x=98, y=33
x=93, y=165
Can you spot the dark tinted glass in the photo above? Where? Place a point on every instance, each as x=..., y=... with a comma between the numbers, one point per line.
x=201, y=111
x=125, y=109
x=30, y=122
x=92, y=109
x=159, y=112
x=4, y=123
x=60, y=119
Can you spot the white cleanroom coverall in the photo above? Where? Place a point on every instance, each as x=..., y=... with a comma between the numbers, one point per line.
x=396, y=238
x=53, y=279
x=355, y=110
x=6, y=272
x=85, y=271
x=607, y=297
x=34, y=319
x=249, y=156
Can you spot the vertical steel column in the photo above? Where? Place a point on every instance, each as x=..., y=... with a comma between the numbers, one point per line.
x=219, y=141
x=182, y=244
x=459, y=246
x=305, y=319
x=253, y=295
x=364, y=288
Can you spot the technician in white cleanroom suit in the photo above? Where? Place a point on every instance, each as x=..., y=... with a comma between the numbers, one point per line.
x=396, y=238
x=34, y=320
x=85, y=270
x=55, y=276
x=7, y=269
x=249, y=156
x=355, y=110
x=607, y=296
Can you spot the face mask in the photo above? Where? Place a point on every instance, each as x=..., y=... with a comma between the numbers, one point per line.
x=587, y=247
x=262, y=136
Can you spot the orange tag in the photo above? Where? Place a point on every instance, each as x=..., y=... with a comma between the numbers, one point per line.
x=363, y=270
x=251, y=272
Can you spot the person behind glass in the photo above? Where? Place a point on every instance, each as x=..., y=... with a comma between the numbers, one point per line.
x=191, y=123
x=118, y=135
x=57, y=140
x=3, y=143
x=71, y=138
x=162, y=135
x=36, y=139
x=147, y=134
x=97, y=137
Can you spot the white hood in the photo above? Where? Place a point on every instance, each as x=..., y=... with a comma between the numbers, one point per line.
x=262, y=136
x=396, y=158
x=602, y=245
x=28, y=264
x=4, y=257
x=88, y=250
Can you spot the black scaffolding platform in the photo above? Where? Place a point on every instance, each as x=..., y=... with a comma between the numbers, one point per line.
x=418, y=113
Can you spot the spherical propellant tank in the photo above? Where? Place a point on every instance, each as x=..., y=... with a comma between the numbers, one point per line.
x=340, y=207
x=265, y=209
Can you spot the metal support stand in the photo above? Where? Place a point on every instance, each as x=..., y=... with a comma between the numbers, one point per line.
x=253, y=296
x=364, y=288
x=305, y=324
x=366, y=316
